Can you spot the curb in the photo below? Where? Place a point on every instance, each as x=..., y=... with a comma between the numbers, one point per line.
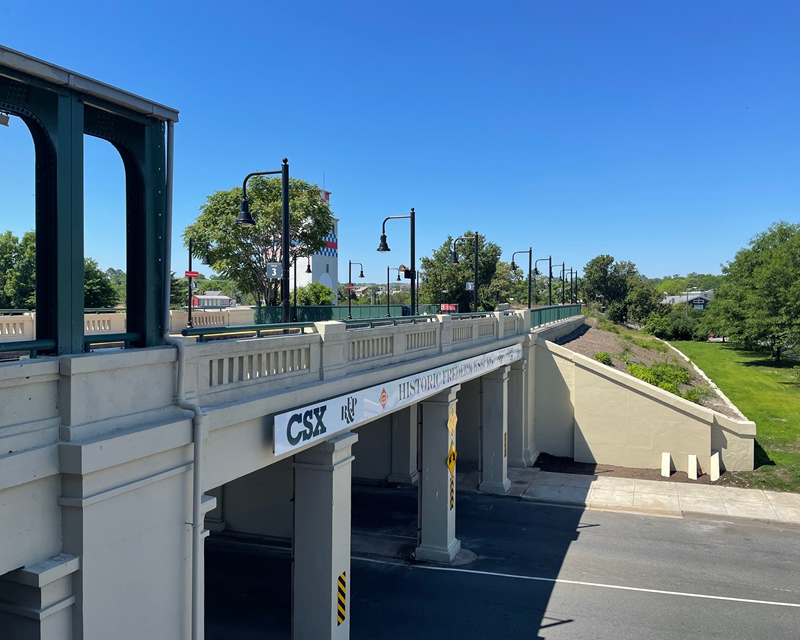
x=659, y=513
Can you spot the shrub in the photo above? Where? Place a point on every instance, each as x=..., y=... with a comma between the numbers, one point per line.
x=663, y=375
x=602, y=356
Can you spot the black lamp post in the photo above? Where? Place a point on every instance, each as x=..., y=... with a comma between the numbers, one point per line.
x=204, y=262
x=246, y=220
x=454, y=260
x=530, y=270
x=384, y=248
x=549, y=279
x=388, y=291
x=350, y=264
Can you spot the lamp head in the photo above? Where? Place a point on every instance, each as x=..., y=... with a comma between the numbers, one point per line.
x=383, y=247
x=245, y=219
x=513, y=265
x=398, y=276
x=454, y=257
x=361, y=275
x=205, y=261
x=308, y=267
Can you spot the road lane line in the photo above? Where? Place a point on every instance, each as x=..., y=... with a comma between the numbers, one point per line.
x=586, y=584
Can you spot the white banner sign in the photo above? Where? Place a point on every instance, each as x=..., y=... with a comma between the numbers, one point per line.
x=320, y=421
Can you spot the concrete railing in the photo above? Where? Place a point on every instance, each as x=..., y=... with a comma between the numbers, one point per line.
x=18, y=328
x=230, y=369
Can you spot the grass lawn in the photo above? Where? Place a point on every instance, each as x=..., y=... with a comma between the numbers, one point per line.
x=767, y=394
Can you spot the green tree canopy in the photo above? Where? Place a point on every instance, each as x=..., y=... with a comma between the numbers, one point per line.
x=98, y=292
x=759, y=300
x=241, y=254
x=314, y=293
x=446, y=282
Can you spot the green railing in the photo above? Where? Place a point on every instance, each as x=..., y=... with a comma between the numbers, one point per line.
x=107, y=338
x=247, y=329
x=546, y=315
x=13, y=312
x=383, y=322
x=272, y=315
x=31, y=346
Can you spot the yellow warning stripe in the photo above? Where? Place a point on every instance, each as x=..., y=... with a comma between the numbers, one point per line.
x=342, y=595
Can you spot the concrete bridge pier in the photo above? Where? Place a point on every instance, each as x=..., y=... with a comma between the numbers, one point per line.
x=321, y=541
x=404, y=446
x=520, y=436
x=438, y=542
x=494, y=434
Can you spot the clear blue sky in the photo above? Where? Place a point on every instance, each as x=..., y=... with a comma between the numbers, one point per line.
x=662, y=133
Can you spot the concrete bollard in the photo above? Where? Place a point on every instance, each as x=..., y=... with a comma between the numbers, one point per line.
x=692, y=467
x=666, y=465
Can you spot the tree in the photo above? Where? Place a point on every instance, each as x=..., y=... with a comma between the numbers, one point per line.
x=759, y=300
x=642, y=299
x=18, y=271
x=98, y=292
x=119, y=280
x=446, y=282
x=241, y=254
x=314, y=294
x=178, y=292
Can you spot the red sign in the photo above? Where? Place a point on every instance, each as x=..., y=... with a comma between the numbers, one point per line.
x=192, y=274
x=351, y=286
x=449, y=307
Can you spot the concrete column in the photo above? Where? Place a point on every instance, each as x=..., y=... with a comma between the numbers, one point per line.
x=404, y=446
x=494, y=432
x=321, y=543
x=215, y=519
x=519, y=450
x=36, y=602
x=438, y=542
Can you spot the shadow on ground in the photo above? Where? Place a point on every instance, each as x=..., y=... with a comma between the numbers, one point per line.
x=248, y=587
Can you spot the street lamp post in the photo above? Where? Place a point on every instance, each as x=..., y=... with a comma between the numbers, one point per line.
x=384, y=248
x=454, y=260
x=350, y=264
x=246, y=220
x=562, y=281
x=530, y=271
x=388, y=293
x=205, y=262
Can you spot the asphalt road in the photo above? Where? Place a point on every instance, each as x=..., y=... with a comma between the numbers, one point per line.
x=541, y=572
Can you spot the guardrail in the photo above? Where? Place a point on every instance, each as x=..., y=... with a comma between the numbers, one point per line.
x=31, y=346
x=546, y=315
x=294, y=327
x=108, y=338
x=13, y=312
x=371, y=323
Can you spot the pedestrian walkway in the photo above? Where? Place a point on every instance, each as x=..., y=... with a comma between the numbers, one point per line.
x=661, y=498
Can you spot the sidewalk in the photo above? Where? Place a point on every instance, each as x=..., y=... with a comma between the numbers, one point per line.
x=651, y=497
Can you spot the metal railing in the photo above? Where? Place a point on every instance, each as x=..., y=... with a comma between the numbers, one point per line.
x=31, y=346
x=108, y=338
x=13, y=312
x=257, y=329
x=545, y=315
x=383, y=322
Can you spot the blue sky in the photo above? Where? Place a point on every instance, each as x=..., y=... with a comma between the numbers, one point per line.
x=662, y=133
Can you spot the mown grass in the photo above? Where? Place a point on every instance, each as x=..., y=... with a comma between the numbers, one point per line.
x=766, y=393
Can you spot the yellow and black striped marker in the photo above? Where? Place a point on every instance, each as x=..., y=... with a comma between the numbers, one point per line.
x=341, y=613
x=452, y=493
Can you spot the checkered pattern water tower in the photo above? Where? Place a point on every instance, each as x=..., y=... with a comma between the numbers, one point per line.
x=324, y=263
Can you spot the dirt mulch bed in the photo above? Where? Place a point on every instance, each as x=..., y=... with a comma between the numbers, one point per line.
x=546, y=462
x=587, y=341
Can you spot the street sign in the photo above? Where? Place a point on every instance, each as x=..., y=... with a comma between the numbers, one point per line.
x=192, y=274
x=448, y=306
x=351, y=286
x=470, y=286
x=452, y=420
x=451, y=458
x=274, y=270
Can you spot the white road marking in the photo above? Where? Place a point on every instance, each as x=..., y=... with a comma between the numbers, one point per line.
x=584, y=584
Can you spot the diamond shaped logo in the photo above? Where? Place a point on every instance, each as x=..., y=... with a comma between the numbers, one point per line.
x=384, y=398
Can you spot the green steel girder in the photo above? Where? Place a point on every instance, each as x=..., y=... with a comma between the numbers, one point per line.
x=58, y=117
